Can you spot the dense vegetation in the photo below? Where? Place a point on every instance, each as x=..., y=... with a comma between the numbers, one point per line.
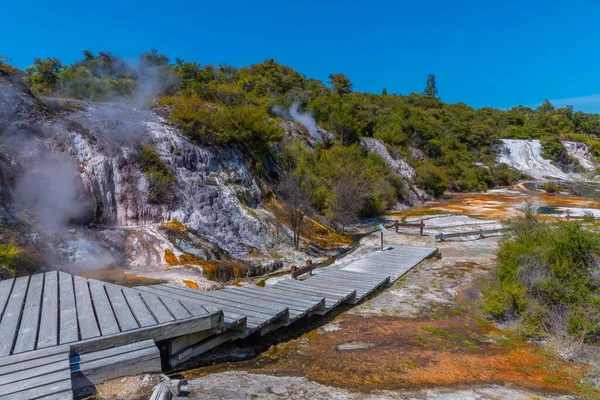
x=452, y=146
x=549, y=277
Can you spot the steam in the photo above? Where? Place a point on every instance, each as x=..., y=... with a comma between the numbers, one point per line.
x=52, y=190
x=51, y=194
x=305, y=119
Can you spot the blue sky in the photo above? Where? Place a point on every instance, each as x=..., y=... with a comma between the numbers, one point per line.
x=484, y=53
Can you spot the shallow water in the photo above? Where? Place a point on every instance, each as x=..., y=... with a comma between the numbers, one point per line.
x=502, y=205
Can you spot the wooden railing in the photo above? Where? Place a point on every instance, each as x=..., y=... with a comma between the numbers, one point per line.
x=308, y=268
x=420, y=225
x=481, y=233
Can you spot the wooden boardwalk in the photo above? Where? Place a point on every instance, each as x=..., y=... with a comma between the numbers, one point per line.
x=289, y=300
x=56, y=325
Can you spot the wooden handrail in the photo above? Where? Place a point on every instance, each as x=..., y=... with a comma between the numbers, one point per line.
x=296, y=272
x=420, y=225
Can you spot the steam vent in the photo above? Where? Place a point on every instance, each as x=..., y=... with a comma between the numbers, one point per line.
x=61, y=333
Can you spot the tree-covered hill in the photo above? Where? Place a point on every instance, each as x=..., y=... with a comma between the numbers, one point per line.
x=451, y=146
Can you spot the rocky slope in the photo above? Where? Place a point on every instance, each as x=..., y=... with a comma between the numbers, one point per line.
x=526, y=156
x=70, y=164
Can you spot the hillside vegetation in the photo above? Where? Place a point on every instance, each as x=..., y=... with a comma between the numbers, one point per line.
x=549, y=278
x=451, y=146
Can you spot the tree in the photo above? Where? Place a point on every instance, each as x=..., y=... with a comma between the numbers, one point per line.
x=296, y=204
x=430, y=87
x=345, y=203
x=340, y=83
x=43, y=75
x=153, y=59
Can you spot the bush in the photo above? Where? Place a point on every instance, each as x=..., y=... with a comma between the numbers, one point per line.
x=550, y=187
x=246, y=126
x=8, y=258
x=161, y=181
x=320, y=171
x=432, y=179
x=549, y=277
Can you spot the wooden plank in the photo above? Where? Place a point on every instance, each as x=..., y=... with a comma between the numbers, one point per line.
x=104, y=313
x=175, y=307
x=154, y=291
x=345, y=281
x=138, y=307
x=35, y=372
x=326, y=285
x=244, y=309
x=28, y=330
x=274, y=289
x=86, y=316
x=160, y=332
x=342, y=277
x=27, y=385
x=124, y=316
x=356, y=275
x=35, y=362
x=48, y=333
x=303, y=294
x=129, y=364
x=5, y=290
x=339, y=284
x=113, y=351
x=252, y=321
x=69, y=330
x=243, y=299
x=293, y=306
x=157, y=308
x=56, y=390
x=330, y=300
x=267, y=294
x=308, y=285
x=132, y=359
x=33, y=355
x=12, y=316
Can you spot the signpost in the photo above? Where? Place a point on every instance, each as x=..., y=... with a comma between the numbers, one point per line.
x=382, y=230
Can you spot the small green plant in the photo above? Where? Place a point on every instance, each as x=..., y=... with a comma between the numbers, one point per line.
x=161, y=181
x=8, y=255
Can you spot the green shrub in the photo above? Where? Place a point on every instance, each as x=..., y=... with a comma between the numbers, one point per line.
x=432, y=179
x=246, y=126
x=548, y=277
x=8, y=258
x=161, y=181
x=320, y=171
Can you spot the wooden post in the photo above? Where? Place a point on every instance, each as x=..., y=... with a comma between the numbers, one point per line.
x=308, y=264
x=421, y=228
x=396, y=225
x=381, y=240
x=293, y=270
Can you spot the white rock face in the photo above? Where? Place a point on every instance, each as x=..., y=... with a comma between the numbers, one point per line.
x=210, y=182
x=526, y=156
x=412, y=195
x=216, y=194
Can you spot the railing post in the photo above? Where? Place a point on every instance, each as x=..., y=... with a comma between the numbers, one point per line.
x=396, y=225
x=421, y=228
x=308, y=264
x=293, y=271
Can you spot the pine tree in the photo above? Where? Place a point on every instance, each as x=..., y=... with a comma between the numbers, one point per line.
x=431, y=87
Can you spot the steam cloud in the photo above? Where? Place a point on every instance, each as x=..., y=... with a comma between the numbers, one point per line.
x=53, y=191
x=305, y=119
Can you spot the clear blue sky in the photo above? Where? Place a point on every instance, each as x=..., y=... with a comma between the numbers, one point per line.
x=505, y=54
